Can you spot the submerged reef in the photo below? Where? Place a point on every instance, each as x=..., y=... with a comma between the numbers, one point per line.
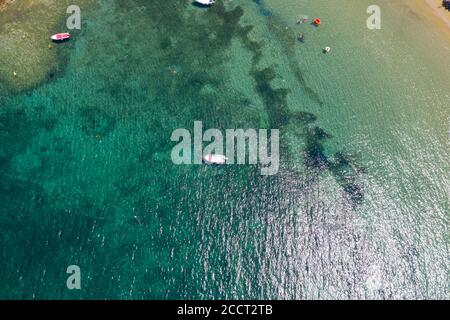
x=25, y=30
x=27, y=25
x=346, y=170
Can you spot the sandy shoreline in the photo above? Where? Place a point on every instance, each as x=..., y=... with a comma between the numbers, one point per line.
x=439, y=10
x=434, y=13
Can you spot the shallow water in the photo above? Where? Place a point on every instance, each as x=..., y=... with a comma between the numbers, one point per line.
x=359, y=208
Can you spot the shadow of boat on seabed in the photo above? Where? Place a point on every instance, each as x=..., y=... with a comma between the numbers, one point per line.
x=60, y=41
x=200, y=5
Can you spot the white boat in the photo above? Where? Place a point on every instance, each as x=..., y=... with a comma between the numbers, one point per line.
x=327, y=50
x=215, y=159
x=205, y=2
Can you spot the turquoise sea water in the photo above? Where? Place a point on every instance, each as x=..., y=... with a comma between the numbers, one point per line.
x=359, y=208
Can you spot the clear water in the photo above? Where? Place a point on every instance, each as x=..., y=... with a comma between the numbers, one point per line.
x=358, y=210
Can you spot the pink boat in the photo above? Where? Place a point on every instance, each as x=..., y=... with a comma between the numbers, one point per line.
x=60, y=36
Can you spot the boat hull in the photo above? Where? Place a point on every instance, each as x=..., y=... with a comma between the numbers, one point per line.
x=60, y=36
x=215, y=159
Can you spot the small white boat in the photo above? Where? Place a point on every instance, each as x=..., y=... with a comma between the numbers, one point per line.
x=215, y=159
x=327, y=50
x=205, y=2
x=60, y=36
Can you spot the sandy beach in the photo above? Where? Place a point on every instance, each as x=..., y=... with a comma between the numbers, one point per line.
x=439, y=11
x=434, y=12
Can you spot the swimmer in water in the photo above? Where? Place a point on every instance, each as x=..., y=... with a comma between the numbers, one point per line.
x=302, y=19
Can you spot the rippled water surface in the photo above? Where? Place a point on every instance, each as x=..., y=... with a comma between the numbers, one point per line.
x=359, y=208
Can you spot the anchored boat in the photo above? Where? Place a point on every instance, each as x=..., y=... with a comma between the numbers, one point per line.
x=215, y=159
x=60, y=36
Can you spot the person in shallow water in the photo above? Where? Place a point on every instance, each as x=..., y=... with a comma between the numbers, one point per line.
x=302, y=20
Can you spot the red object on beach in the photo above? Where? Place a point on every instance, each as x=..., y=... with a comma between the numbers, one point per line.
x=317, y=22
x=60, y=36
